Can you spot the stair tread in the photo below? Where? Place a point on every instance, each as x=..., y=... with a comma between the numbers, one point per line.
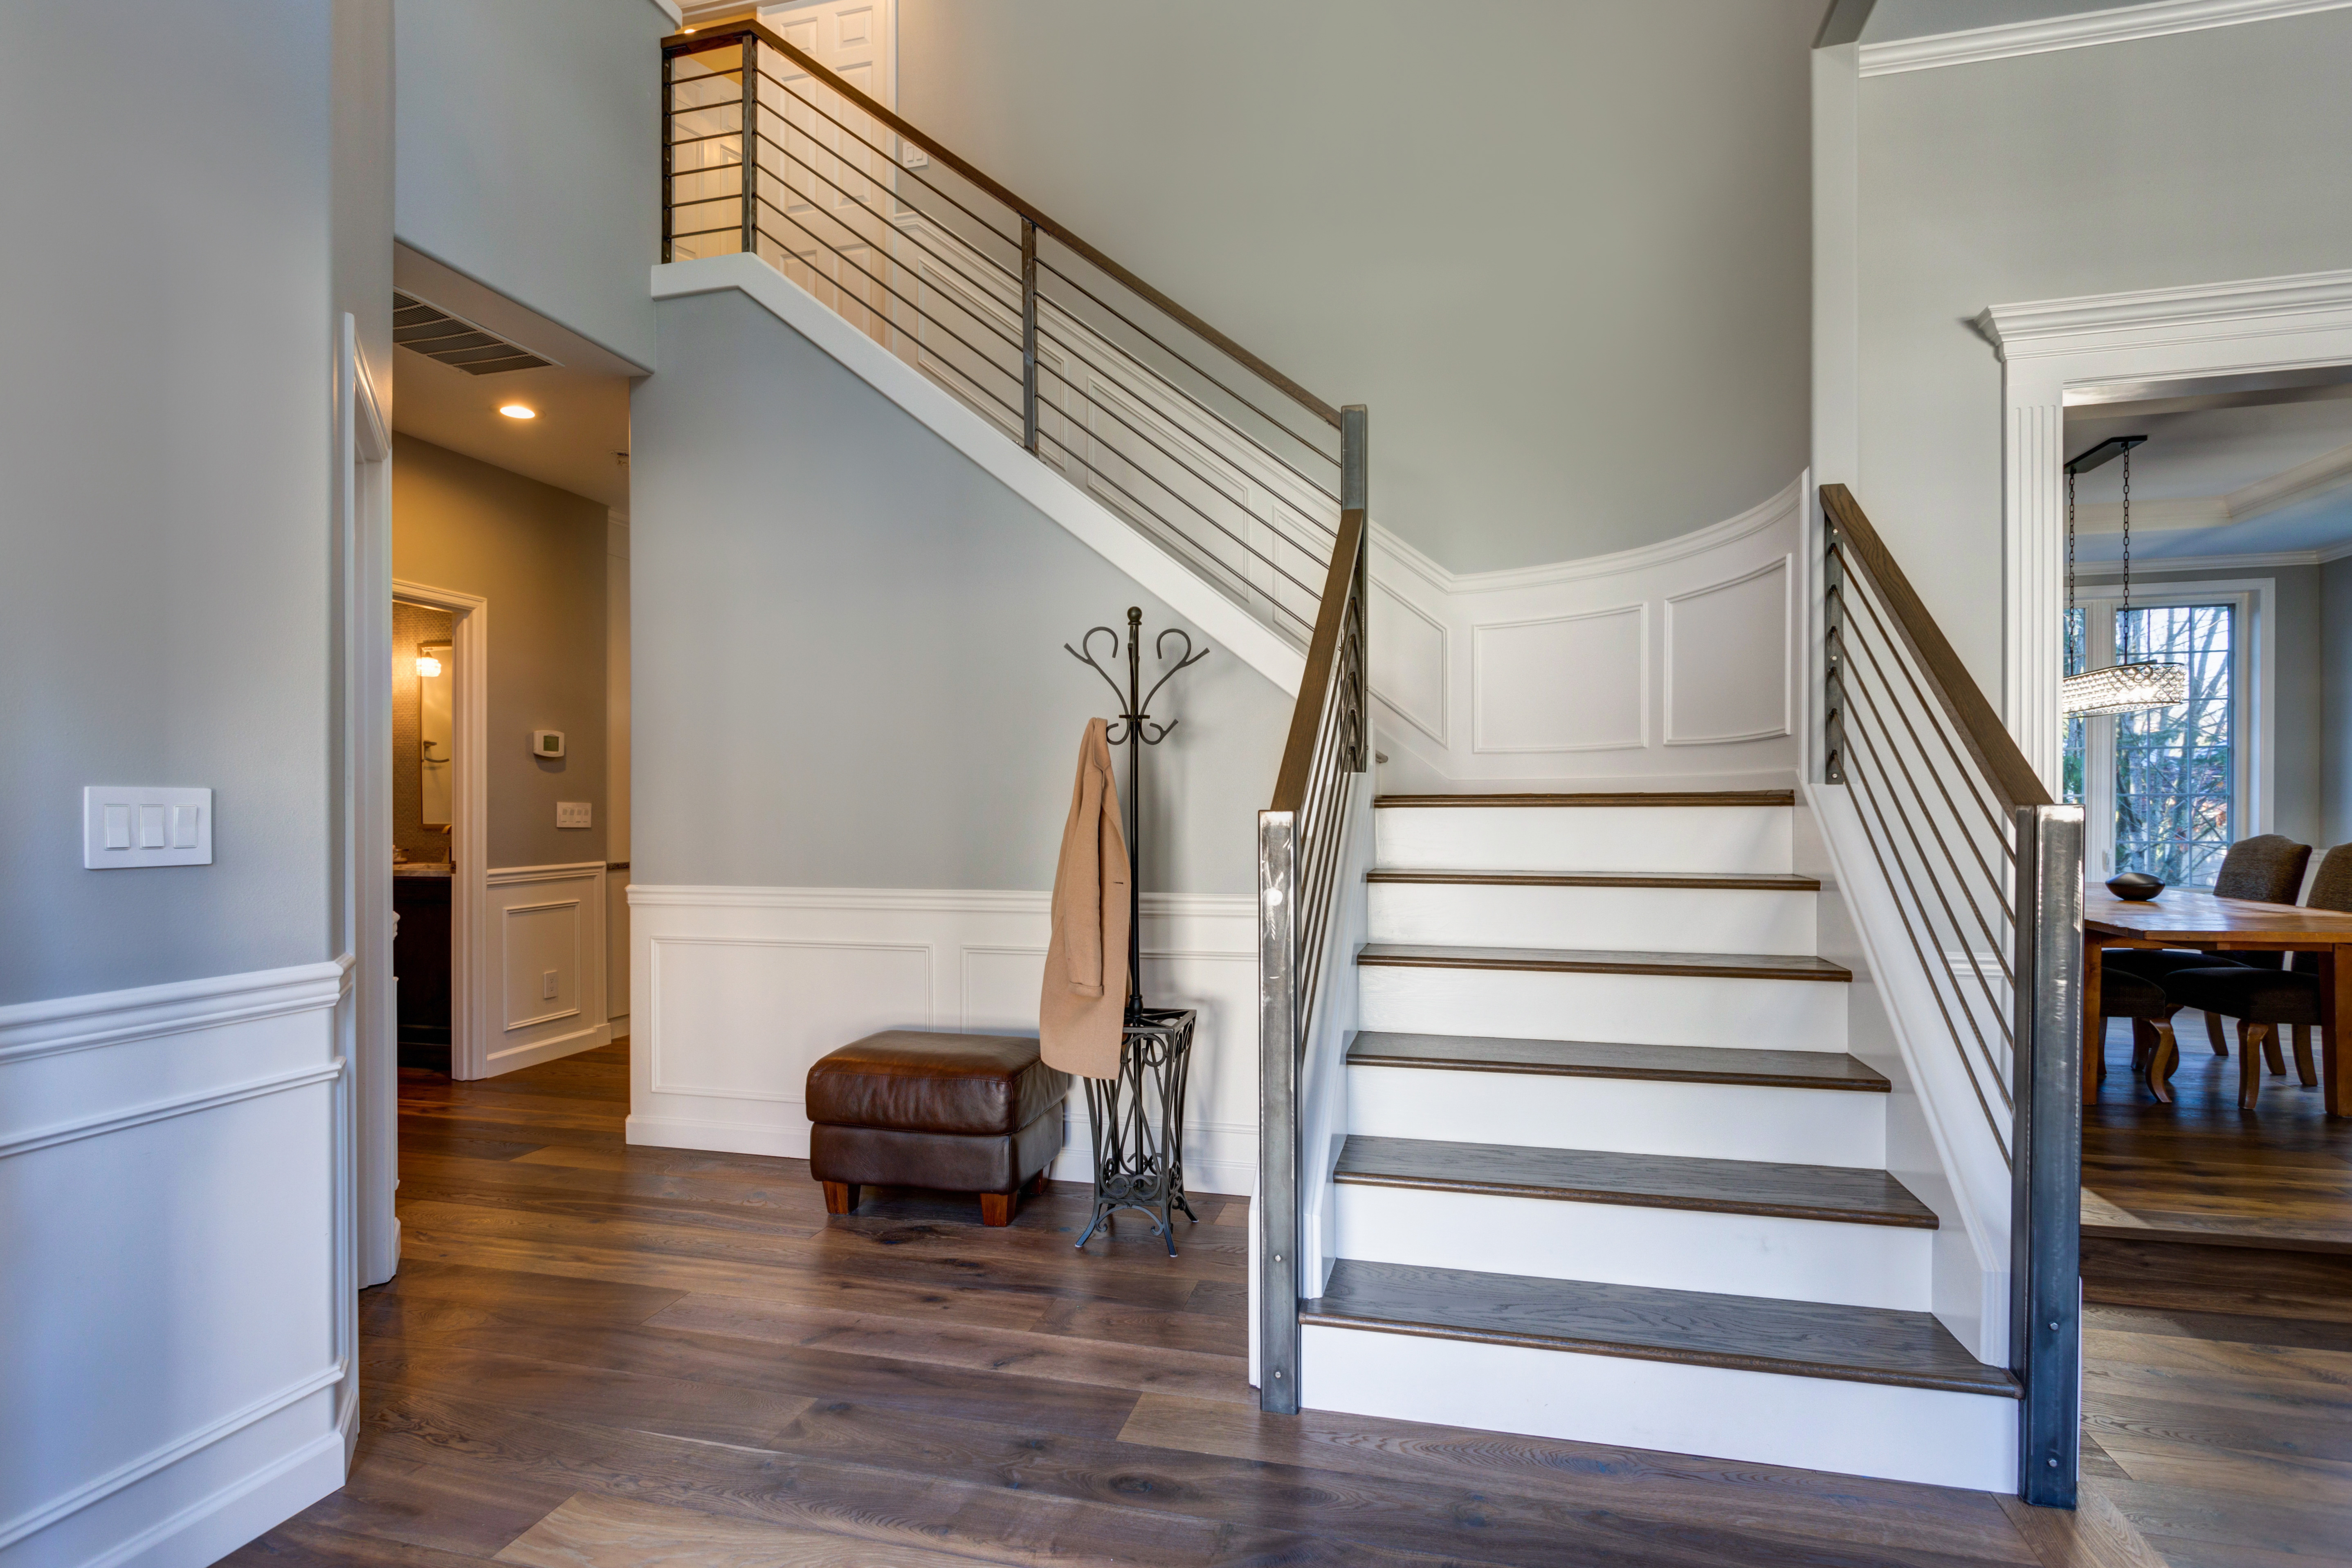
x=1604, y=798
x=1605, y=961
x=1838, y=1194
x=1751, y=1333
x=1772, y=882
x=1594, y=1059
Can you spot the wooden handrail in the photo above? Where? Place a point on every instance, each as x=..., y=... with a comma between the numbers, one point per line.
x=1988, y=741
x=691, y=43
x=1322, y=662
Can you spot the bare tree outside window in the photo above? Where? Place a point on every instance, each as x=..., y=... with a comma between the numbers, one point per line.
x=2175, y=766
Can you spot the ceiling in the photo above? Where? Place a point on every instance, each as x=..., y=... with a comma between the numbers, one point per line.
x=2240, y=478
x=580, y=397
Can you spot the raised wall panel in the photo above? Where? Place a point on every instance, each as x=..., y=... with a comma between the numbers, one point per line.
x=745, y=1018
x=1568, y=683
x=535, y=938
x=1408, y=662
x=1728, y=659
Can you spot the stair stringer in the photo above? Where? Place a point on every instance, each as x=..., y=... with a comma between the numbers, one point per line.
x=1094, y=525
x=1969, y=1187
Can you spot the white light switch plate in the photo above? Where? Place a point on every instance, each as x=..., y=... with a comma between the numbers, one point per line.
x=572, y=814
x=126, y=825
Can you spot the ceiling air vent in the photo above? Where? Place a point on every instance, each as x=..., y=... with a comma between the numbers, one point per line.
x=435, y=333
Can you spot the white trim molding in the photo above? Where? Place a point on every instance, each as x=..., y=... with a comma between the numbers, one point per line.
x=2081, y=30
x=740, y=989
x=469, y=836
x=194, y=1361
x=541, y=921
x=2049, y=347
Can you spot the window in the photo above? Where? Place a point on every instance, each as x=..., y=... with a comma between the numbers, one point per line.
x=2166, y=791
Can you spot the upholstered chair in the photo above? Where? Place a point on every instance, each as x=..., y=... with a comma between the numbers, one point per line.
x=2265, y=1000
x=2266, y=869
x=2124, y=995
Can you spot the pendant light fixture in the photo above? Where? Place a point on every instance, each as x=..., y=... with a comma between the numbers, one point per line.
x=2119, y=688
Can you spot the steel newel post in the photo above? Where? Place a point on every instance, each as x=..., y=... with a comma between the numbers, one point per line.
x=669, y=154
x=1028, y=335
x=2046, y=1154
x=749, y=63
x=1355, y=484
x=1832, y=656
x=1278, y=1137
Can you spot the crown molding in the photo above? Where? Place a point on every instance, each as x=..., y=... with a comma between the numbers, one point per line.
x=1394, y=550
x=2120, y=25
x=2197, y=310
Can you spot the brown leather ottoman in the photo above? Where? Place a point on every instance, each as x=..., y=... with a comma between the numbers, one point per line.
x=963, y=1113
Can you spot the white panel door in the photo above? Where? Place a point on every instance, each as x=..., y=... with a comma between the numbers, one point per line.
x=830, y=229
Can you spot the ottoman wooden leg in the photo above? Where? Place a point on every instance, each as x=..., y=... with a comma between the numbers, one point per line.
x=996, y=1207
x=840, y=1197
x=1037, y=1183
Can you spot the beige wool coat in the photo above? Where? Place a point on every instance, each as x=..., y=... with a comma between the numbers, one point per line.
x=1084, y=1007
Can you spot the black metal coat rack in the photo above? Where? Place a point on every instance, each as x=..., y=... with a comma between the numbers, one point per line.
x=1137, y=1117
x=1134, y=729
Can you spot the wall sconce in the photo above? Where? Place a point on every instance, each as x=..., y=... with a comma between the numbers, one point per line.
x=427, y=667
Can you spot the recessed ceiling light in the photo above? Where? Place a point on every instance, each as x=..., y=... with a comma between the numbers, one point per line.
x=518, y=411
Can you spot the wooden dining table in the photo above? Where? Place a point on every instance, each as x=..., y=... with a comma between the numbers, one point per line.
x=2183, y=917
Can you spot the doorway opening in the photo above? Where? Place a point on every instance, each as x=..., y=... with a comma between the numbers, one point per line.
x=423, y=829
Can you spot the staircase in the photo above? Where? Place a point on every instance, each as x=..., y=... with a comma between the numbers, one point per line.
x=1610, y=1173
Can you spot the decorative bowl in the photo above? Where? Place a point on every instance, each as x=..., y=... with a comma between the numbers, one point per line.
x=2135, y=886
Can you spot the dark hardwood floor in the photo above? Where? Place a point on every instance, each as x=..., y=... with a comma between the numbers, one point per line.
x=597, y=1356
x=2279, y=1175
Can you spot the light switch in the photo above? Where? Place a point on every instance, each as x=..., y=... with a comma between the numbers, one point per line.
x=126, y=825
x=573, y=814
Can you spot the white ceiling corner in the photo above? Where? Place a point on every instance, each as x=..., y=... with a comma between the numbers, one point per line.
x=2080, y=30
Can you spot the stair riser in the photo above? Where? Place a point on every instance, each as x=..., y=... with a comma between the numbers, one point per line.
x=1577, y=838
x=1635, y=1116
x=1637, y=1010
x=1816, y=1423
x=1679, y=1249
x=1612, y=919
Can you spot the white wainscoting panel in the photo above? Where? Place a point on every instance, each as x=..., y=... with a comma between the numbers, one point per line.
x=543, y=920
x=172, y=1354
x=740, y=990
x=1720, y=687
x=1669, y=666
x=1562, y=682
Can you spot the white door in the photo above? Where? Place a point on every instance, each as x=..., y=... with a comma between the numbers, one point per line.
x=830, y=229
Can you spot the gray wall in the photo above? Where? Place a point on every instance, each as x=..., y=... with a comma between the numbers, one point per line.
x=537, y=554
x=2297, y=692
x=1560, y=247
x=529, y=153
x=2336, y=701
x=2192, y=157
x=165, y=468
x=846, y=646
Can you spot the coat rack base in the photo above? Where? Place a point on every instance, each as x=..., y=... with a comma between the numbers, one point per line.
x=1139, y=1123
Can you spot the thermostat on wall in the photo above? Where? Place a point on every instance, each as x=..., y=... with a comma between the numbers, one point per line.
x=547, y=743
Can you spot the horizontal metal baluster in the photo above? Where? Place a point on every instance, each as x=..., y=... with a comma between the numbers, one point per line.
x=2000, y=1140
x=1940, y=965
x=1958, y=817
x=1310, y=551
x=915, y=174
x=1271, y=564
x=1939, y=721
x=1959, y=875
x=1178, y=356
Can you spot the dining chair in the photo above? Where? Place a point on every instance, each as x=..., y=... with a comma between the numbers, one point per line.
x=2124, y=995
x=2267, y=869
x=2264, y=1000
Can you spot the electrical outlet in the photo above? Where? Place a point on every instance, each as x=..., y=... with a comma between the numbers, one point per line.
x=547, y=985
x=574, y=814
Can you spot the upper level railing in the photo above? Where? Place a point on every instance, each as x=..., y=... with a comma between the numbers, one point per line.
x=1226, y=463
x=1985, y=873
x=1302, y=842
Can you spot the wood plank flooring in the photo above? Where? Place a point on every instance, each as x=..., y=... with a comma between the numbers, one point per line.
x=2279, y=1175
x=597, y=1356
